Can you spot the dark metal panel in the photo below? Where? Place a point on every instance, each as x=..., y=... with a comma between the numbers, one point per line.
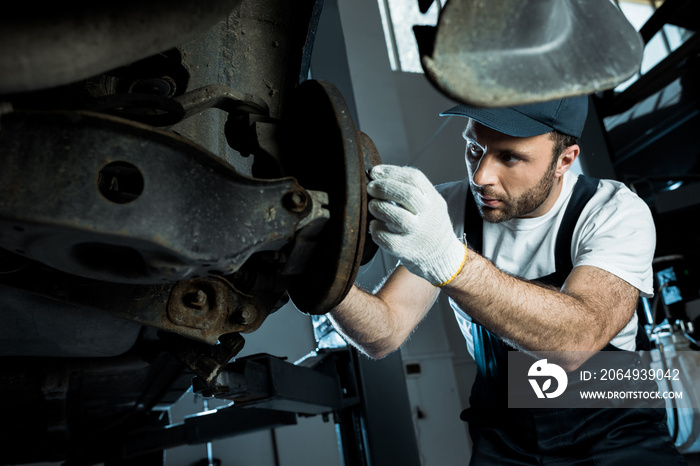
x=76, y=40
x=387, y=421
x=595, y=155
x=329, y=60
x=205, y=427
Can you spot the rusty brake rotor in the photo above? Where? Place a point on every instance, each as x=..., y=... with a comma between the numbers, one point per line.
x=325, y=152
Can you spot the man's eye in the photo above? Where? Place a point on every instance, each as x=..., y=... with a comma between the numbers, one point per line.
x=474, y=150
x=507, y=158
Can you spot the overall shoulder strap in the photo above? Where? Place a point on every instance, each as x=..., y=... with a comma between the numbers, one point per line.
x=583, y=192
x=473, y=224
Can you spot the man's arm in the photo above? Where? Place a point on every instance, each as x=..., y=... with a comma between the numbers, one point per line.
x=413, y=224
x=379, y=323
x=584, y=315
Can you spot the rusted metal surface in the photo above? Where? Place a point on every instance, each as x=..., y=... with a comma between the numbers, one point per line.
x=186, y=191
x=167, y=211
x=175, y=308
x=183, y=191
x=206, y=361
x=76, y=41
x=223, y=98
x=262, y=49
x=512, y=52
x=371, y=157
x=332, y=161
x=202, y=303
x=168, y=110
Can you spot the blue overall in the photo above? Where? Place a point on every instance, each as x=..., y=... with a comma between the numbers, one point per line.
x=571, y=436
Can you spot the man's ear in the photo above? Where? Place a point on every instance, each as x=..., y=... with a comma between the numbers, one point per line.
x=566, y=159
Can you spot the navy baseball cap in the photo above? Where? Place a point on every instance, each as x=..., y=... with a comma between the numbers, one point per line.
x=565, y=115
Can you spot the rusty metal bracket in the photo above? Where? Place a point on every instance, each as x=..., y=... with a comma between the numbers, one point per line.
x=221, y=97
x=161, y=111
x=106, y=198
x=206, y=361
x=201, y=309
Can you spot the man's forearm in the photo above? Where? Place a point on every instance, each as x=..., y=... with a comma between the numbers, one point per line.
x=537, y=318
x=365, y=321
x=379, y=323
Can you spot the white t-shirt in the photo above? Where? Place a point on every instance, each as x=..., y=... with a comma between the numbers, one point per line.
x=615, y=232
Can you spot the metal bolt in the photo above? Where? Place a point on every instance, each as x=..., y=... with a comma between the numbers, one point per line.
x=244, y=315
x=296, y=201
x=197, y=300
x=164, y=86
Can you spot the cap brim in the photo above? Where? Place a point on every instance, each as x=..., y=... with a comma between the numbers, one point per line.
x=503, y=119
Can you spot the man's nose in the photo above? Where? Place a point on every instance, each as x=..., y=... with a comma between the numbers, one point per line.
x=485, y=171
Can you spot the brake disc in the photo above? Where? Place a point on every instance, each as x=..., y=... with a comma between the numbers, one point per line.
x=325, y=152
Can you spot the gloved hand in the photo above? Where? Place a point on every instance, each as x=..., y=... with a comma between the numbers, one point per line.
x=412, y=223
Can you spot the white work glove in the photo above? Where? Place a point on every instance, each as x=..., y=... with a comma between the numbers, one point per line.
x=412, y=223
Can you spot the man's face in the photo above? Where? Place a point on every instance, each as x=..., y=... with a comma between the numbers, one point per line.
x=510, y=177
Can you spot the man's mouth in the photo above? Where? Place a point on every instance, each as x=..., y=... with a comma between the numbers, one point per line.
x=489, y=201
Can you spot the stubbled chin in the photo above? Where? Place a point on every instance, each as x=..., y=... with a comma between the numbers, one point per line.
x=491, y=215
